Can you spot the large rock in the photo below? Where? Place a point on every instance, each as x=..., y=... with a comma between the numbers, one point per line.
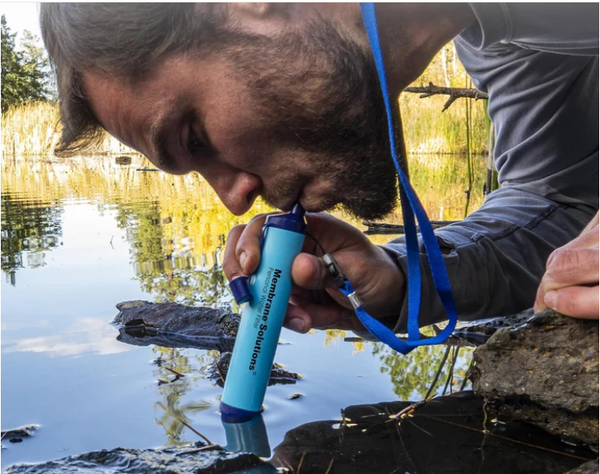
x=544, y=372
x=169, y=460
x=176, y=325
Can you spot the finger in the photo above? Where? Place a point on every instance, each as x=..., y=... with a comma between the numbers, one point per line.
x=539, y=304
x=593, y=223
x=309, y=272
x=570, y=267
x=329, y=315
x=576, y=301
x=588, y=239
x=297, y=319
x=247, y=248
x=333, y=234
x=231, y=264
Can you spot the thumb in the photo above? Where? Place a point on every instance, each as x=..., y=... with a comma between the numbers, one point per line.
x=309, y=272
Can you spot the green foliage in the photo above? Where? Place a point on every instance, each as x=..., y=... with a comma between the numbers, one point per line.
x=25, y=74
x=28, y=229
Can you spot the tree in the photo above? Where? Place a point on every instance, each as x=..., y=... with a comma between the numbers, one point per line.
x=25, y=76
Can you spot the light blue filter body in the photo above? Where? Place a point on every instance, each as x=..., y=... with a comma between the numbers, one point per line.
x=261, y=321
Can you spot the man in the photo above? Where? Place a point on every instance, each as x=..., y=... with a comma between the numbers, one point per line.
x=283, y=101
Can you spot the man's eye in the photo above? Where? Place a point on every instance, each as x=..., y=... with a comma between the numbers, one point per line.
x=194, y=143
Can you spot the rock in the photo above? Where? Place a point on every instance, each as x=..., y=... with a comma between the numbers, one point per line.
x=279, y=376
x=480, y=330
x=590, y=467
x=174, y=325
x=442, y=436
x=544, y=372
x=20, y=432
x=16, y=435
x=196, y=459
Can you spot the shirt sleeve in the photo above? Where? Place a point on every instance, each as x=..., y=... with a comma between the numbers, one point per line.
x=496, y=256
x=562, y=28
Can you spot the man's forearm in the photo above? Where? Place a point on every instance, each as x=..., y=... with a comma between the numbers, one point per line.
x=497, y=255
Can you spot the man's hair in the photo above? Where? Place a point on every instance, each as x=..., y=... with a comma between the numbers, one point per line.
x=125, y=40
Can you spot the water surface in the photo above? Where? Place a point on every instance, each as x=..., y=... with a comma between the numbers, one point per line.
x=81, y=235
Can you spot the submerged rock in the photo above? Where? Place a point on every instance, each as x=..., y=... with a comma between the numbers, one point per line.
x=218, y=372
x=20, y=432
x=196, y=459
x=175, y=325
x=544, y=372
x=441, y=436
x=16, y=435
x=590, y=467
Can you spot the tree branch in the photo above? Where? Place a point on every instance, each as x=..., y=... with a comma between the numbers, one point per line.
x=453, y=92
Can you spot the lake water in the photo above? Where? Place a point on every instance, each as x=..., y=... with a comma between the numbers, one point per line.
x=81, y=235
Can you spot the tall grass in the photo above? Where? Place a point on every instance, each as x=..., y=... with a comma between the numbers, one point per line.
x=427, y=129
x=30, y=129
x=34, y=128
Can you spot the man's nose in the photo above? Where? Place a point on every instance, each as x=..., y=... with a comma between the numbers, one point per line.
x=236, y=188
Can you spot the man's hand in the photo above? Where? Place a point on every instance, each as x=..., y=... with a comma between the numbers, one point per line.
x=570, y=284
x=316, y=302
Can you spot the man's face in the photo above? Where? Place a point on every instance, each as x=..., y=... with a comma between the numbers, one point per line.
x=295, y=117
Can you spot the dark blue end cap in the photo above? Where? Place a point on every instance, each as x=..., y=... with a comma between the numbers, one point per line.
x=293, y=220
x=231, y=414
x=241, y=290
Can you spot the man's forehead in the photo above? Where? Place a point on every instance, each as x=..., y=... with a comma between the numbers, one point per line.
x=124, y=109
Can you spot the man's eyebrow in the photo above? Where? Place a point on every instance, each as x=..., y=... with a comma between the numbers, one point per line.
x=160, y=144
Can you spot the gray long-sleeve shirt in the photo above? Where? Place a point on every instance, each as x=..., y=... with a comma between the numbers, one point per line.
x=539, y=64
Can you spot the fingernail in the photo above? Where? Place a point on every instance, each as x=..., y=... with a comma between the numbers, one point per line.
x=243, y=258
x=297, y=325
x=551, y=299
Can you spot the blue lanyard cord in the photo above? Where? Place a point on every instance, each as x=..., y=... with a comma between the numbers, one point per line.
x=411, y=208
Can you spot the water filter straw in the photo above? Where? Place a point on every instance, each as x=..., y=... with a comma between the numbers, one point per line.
x=266, y=298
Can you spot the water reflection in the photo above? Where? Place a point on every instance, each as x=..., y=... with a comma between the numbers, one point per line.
x=176, y=373
x=132, y=234
x=88, y=335
x=173, y=222
x=413, y=377
x=29, y=228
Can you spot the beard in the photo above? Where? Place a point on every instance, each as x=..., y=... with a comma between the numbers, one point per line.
x=319, y=93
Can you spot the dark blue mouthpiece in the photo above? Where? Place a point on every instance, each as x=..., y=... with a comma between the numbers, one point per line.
x=293, y=220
